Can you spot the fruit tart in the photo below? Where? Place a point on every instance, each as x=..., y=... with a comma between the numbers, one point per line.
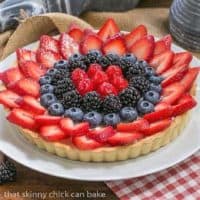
x=104, y=95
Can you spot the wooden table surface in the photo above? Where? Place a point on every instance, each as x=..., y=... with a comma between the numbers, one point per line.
x=34, y=185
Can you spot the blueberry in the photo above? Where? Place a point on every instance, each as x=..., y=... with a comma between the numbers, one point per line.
x=94, y=53
x=128, y=114
x=94, y=118
x=61, y=64
x=75, y=56
x=56, y=109
x=130, y=57
x=45, y=80
x=156, y=79
x=149, y=71
x=144, y=63
x=156, y=88
x=47, y=99
x=76, y=114
x=53, y=71
x=152, y=96
x=47, y=88
x=111, y=119
x=145, y=107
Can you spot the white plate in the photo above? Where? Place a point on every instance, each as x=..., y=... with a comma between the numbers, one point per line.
x=19, y=149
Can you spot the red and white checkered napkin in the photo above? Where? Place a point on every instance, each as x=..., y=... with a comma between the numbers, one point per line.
x=179, y=182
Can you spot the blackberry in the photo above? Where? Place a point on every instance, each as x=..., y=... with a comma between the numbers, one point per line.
x=58, y=76
x=104, y=61
x=136, y=69
x=7, y=172
x=92, y=57
x=113, y=58
x=111, y=104
x=125, y=64
x=140, y=82
x=129, y=96
x=63, y=86
x=71, y=99
x=91, y=102
x=76, y=61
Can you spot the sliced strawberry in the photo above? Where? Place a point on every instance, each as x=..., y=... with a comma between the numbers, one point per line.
x=185, y=103
x=163, y=45
x=11, y=75
x=9, y=99
x=162, y=111
x=189, y=78
x=162, y=62
x=109, y=29
x=174, y=74
x=52, y=133
x=138, y=125
x=143, y=48
x=47, y=58
x=85, y=143
x=72, y=129
x=43, y=120
x=32, y=69
x=158, y=126
x=90, y=42
x=172, y=93
x=49, y=43
x=27, y=86
x=106, y=89
x=25, y=55
x=136, y=34
x=88, y=31
x=31, y=104
x=75, y=32
x=68, y=46
x=115, y=45
x=124, y=138
x=22, y=118
x=182, y=58
x=101, y=134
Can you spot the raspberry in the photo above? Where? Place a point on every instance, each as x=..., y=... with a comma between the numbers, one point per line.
x=85, y=86
x=113, y=70
x=99, y=78
x=106, y=89
x=119, y=82
x=93, y=68
x=78, y=75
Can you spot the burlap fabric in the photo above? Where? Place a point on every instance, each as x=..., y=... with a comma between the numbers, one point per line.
x=156, y=20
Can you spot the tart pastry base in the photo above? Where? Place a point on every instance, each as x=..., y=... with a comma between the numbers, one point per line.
x=109, y=154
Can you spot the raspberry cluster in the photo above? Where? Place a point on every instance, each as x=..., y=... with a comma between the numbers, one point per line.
x=102, y=85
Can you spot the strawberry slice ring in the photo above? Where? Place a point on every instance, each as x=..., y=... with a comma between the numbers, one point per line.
x=102, y=95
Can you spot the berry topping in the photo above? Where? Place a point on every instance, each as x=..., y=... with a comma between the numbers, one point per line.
x=47, y=99
x=61, y=64
x=85, y=86
x=93, y=118
x=43, y=120
x=111, y=119
x=113, y=70
x=128, y=114
x=91, y=101
x=92, y=57
x=76, y=114
x=152, y=96
x=45, y=80
x=47, y=88
x=76, y=61
x=99, y=78
x=25, y=55
x=155, y=87
x=106, y=89
x=78, y=75
x=145, y=107
x=71, y=99
x=111, y=104
x=93, y=68
x=101, y=134
x=56, y=109
x=129, y=96
x=140, y=83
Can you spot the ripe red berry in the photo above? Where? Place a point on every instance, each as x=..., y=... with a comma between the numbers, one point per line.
x=85, y=86
x=113, y=70
x=78, y=75
x=93, y=68
x=99, y=78
x=106, y=89
x=119, y=83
